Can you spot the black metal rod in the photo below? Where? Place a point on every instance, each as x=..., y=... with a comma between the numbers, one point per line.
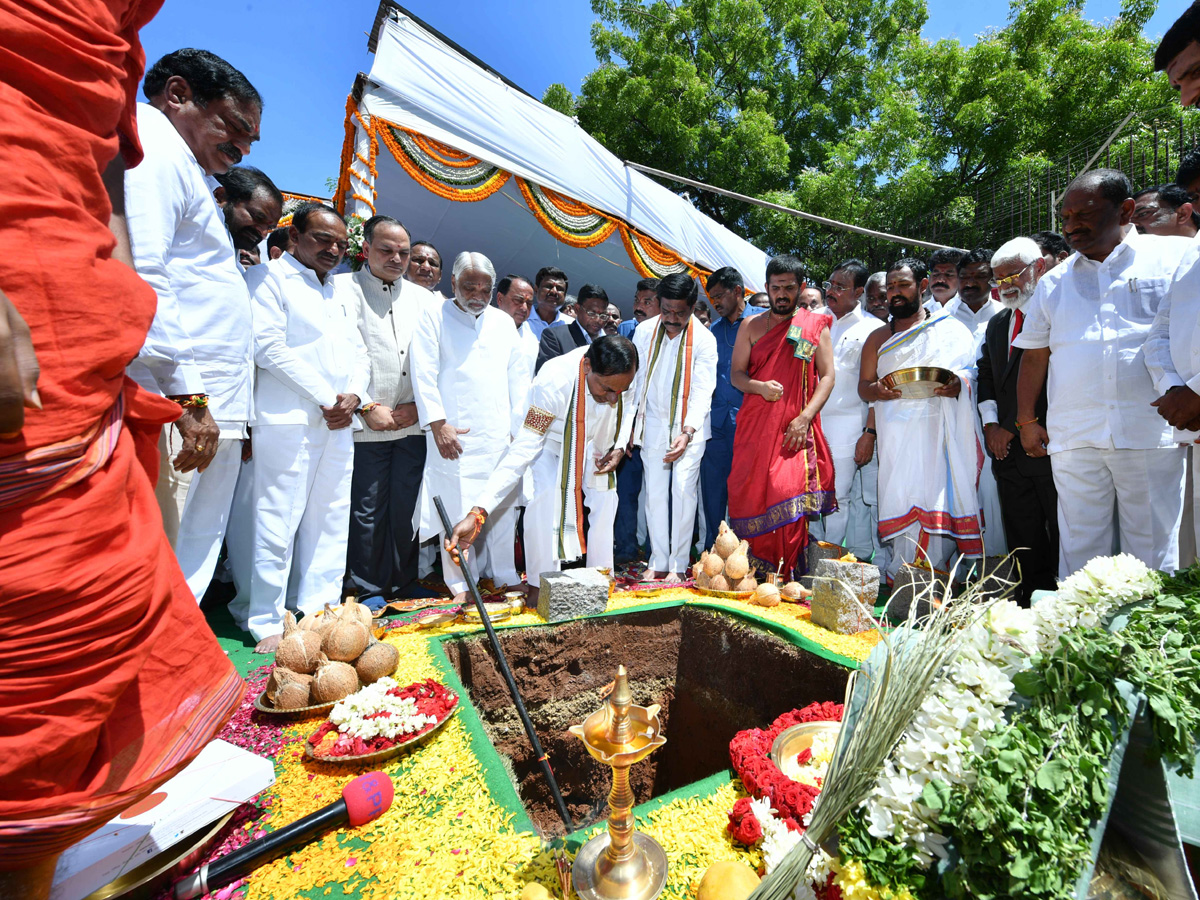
x=508, y=676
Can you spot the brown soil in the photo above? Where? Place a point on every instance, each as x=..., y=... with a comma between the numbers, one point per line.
x=713, y=675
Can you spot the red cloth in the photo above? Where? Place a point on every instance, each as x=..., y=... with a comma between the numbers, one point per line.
x=772, y=490
x=112, y=679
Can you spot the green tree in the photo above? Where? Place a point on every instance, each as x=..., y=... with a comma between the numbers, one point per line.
x=839, y=108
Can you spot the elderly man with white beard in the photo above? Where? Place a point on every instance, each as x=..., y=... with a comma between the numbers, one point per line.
x=470, y=412
x=1028, y=501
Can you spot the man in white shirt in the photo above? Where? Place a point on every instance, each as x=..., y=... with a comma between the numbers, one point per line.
x=389, y=454
x=595, y=379
x=943, y=277
x=974, y=307
x=674, y=393
x=251, y=205
x=1085, y=329
x=844, y=415
x=1178, y=54
x=875, y=298
x=313, y=373
x=198, y=350
x=471, y=379
x=514, y=295
x=425, y=266
x=550, y=286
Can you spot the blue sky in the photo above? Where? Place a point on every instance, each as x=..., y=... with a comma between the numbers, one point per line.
x=302, y=55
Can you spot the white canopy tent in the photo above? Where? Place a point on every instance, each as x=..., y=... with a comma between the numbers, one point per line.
x=468, y=161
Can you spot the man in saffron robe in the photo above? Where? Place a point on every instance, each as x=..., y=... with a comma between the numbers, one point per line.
x=782, y=468
x=98, y=622
x=929, y=456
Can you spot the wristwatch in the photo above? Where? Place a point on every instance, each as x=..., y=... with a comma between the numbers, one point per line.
x=871, y=431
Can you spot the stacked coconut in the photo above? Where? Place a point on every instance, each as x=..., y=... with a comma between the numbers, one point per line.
x=727, y=566
x=327, y=656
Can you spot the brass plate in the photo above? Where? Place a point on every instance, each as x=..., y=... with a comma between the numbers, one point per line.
x=379, y=755
x=724, y=595
x=797, y=738
x=165, y=867
x=496, y=611
x=262, y=704
x=918, y=382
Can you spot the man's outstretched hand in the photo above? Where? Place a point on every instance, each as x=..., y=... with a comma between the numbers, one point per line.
x=18, y=370
x=459, y=541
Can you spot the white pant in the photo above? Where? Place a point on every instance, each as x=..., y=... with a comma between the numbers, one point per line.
x=490, y=555
x=301, y=503
x=863, y=533
x=541, y=550
x=833, y=527
x=239, y=542
x=904, y=549
x=672, y=491
x=195, y=508
x=1147, y=486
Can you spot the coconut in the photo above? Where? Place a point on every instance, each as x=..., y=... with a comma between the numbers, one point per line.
x=746, y=584
x=360, y=611
x=720, y=583
x=713, y=565
x=377, y=661
x=725, y=544
x=697, y=569
x=276, y=680
x=737, y=567
x=766, y=595
x=294, y=692
x=723, y=527
x=794, y=590
x=346, y=639
x=334, y=680
x=298, y=650
x=703, y=581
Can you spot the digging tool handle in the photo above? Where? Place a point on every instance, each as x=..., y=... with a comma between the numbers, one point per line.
x=508, y=677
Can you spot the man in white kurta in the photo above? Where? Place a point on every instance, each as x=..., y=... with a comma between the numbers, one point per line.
x=674, y=389
x=313, y=372
x=844, y=415
x=1173, y=358
x=470, y=381
x=199, y=343
x=572, y=457
x=929, y=457
x=1086, y=326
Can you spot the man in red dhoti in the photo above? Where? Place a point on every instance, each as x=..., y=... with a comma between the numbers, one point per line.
x=112, y=681
x=782, y=468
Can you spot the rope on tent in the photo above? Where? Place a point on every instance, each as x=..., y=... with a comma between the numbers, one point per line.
x=821, y=220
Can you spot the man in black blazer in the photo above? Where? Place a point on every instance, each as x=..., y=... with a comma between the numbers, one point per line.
x=592, y=311
x=1028, y=501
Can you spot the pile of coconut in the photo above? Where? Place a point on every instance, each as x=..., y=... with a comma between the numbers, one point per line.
x=327, y=656
x=727, y=568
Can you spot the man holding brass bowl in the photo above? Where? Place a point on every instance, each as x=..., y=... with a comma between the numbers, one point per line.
x=916, y=372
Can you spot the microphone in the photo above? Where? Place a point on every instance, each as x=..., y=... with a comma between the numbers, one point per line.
x=364, y=799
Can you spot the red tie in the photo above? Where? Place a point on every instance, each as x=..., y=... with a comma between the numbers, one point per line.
x=1019, y=320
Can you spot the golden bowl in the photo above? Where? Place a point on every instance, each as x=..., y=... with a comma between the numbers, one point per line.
x=918, y=382
x=797, y=738
x=496, y=612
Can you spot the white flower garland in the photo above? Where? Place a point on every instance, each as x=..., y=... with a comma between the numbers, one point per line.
x=969, y=701
x=350, y=715
x=778, y=840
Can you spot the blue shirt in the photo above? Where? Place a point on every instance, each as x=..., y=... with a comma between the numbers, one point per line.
x=727, y=399
x=626, y=328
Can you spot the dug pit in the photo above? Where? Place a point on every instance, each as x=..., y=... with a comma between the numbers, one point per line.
x=712, y=673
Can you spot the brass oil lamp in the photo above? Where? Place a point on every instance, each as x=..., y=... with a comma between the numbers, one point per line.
x=622, y=864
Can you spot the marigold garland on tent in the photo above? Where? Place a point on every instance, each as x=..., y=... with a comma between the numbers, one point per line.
x=441, y=169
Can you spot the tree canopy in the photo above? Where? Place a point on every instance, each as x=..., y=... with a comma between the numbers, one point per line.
x=841, y=108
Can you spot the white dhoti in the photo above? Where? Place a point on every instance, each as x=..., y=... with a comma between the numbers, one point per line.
x=195, y=507
x=302, y=520
x=1147, y=486
x=672, y=491
x=834, y=527
x=914, y=544
x=541, y=524
x=929, y=456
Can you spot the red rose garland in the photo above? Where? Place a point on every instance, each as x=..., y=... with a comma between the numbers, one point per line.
x=750, y=753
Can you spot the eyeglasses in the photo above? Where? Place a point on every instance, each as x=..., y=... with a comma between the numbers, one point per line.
x=1010, y=279
x=825, y=286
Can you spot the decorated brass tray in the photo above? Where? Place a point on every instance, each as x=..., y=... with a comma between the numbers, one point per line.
x=497, y=611
x=380, y=755
x=263, y=704
x=918, y=382
x=797, y=738
x=724, y=595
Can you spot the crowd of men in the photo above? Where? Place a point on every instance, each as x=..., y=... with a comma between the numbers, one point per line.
x=324, y=410
x=308, y=417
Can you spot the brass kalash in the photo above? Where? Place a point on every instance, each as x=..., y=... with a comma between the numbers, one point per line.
x=623, y=864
